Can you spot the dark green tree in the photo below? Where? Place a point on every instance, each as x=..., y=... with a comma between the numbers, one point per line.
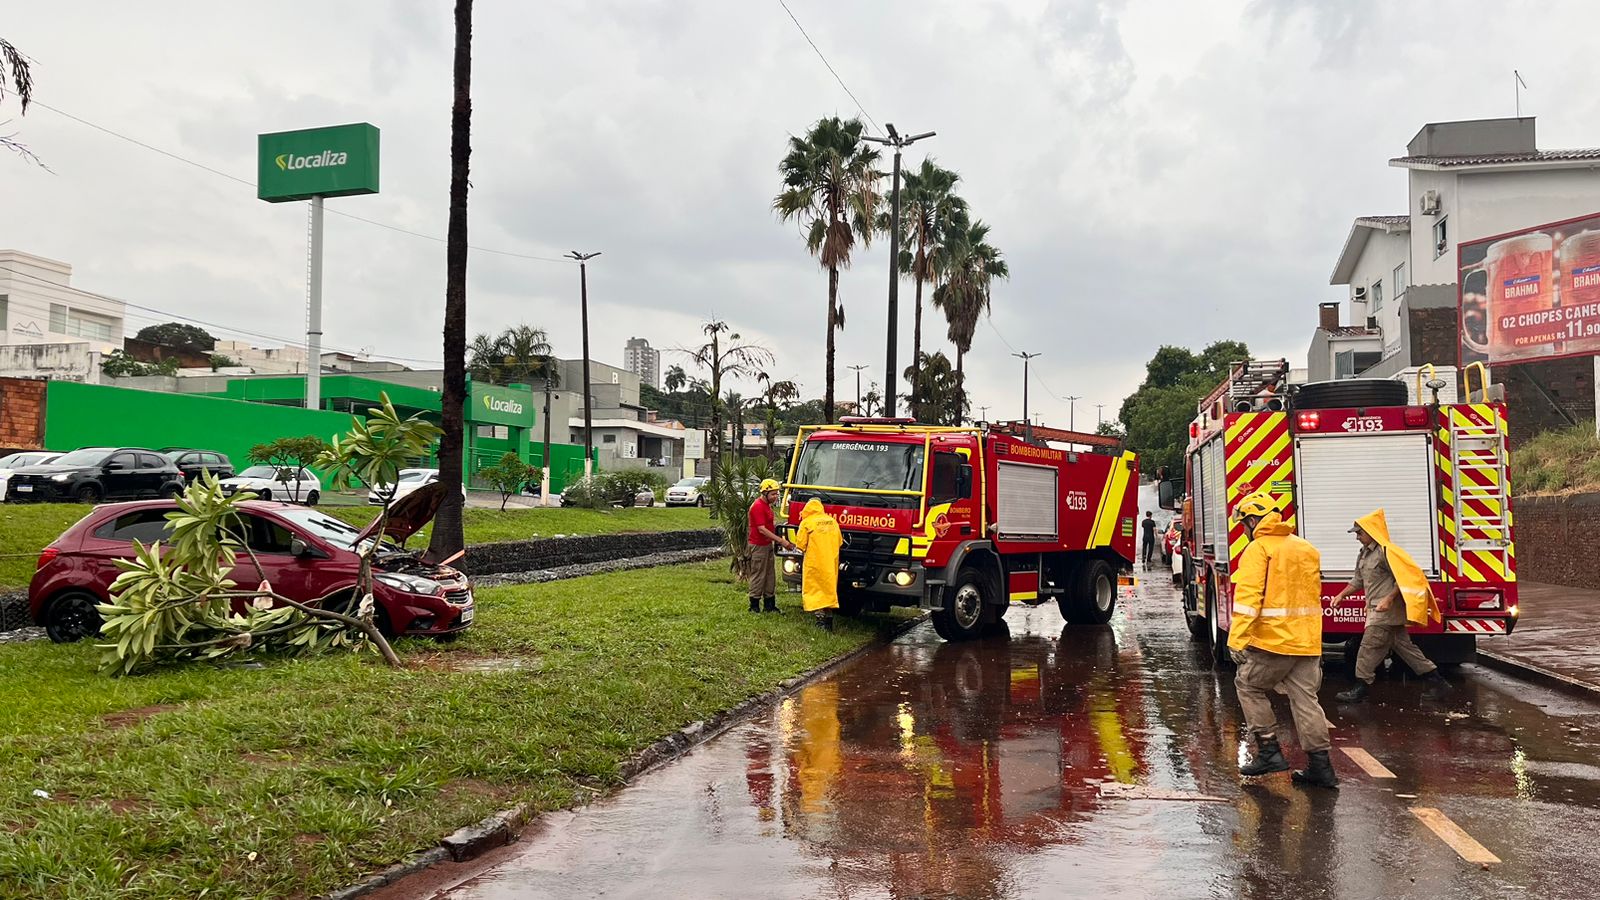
x=936, y=396
x=1157, y=415
x=178, y=334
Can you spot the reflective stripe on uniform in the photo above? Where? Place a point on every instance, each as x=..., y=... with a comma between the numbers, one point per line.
x=1239, y=609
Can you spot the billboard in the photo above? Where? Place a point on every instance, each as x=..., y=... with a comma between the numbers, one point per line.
x=1531, y=295
x=328, y=162
x=500, y=405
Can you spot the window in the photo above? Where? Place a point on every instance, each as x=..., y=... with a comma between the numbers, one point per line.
x=1376, y=293
x=150, y=461
x=125, y=460
x=58, y=319
x=264, y=535
x=3, y=307
x=943, y=480
x=1399, y=279
x=145, y=526
x=88, y=327
x=608, y=439
x=1441, y=236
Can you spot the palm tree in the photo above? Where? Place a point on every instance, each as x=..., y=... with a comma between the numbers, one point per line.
x=519, y=354
x=736, y=359
x=871, y=401
x=830, y=188
x=675, y=379
x=929, y=208
x=972, y=265
x=774, y=394
x=448, y=536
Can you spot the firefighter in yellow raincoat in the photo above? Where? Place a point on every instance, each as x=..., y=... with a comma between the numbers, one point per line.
x=1398, y=594
x=819, y=538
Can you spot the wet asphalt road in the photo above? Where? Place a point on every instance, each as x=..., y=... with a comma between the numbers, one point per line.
x=980, y=770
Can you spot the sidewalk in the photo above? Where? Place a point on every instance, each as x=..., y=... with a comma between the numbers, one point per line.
x=1558, y=633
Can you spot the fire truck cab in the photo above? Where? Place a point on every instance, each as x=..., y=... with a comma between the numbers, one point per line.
x=964, y=521
x=1331, y=452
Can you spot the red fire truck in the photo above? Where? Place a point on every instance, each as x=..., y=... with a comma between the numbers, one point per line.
x=1333, y=451
x=964, y=521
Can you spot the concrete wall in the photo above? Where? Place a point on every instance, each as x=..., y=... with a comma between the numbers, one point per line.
x=1554, y=535
x=75, y=361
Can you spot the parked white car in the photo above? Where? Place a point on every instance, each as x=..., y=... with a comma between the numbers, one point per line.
x=688, y=492
x=11, y=463
x=276, y=483
x=408, y=481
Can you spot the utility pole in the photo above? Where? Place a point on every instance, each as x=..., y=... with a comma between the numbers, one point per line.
x=1099, y=415
x=544, y=480
x=1027, y=423
x=588, y=426
x=1072, y=413
x=898, y=143
x=857, y=370
x=983, y=412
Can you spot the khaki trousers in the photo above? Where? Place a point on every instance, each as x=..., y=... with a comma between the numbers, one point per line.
x=763, y=580
x=1378, y=641
x=1298, y=677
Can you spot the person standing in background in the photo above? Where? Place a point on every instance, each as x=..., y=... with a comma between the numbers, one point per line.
x=762, y=540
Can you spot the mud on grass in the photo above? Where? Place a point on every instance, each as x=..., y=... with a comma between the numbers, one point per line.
x=303, y=776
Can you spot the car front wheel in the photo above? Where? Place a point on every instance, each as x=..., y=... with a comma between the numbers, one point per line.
x=312, y=498
x=72, y=617
x=87, y=493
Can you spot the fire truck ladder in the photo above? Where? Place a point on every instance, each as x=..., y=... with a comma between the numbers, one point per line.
x=1478, y=459
x=1255, y=378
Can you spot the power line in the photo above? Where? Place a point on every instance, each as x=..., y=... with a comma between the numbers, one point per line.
x=831, y=71
x=242, y=332
x=250, y=184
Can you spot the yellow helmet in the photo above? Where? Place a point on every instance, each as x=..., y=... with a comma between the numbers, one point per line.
x=1258, y=504
x=769, y=485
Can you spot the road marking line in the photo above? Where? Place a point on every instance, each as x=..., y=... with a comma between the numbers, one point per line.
x=1368, y=763
x=1451, y=833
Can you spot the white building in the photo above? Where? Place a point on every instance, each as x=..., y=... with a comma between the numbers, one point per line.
x=1466, y=181
x=643, y=360
x=38, y=305
x=287, y=360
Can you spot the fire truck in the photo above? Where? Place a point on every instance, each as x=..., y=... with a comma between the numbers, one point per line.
x=963, y=521
x=1433, y=458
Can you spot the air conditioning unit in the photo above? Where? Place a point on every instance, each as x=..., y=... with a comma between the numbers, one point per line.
x=1359, y=293
x=1430, y=203
x=1372, y=323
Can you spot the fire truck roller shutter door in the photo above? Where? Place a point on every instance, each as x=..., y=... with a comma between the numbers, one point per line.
x=1344, y=477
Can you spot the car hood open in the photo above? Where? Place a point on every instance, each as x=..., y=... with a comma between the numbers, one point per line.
x=410, y=513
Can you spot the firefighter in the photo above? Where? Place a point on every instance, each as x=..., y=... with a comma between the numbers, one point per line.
x=761, y=538
x=819, y=539
x=1276, y=638
x=1397, y=594
x=1149, y=526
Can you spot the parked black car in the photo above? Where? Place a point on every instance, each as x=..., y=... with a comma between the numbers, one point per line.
x=193, y=462
x=94, y=474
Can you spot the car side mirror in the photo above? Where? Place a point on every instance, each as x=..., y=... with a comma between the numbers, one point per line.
x=964, y=481
x=298, y=547
x=116, y=467
x=1167, y=493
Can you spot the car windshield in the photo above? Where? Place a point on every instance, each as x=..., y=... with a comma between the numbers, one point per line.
x=340, y=534
x=89, y=456
x=691, y=482
x=860, y=465
x=18, y=460
x=412, y=476
x=270, y=472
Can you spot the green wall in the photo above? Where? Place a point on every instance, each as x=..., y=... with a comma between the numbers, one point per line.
x=92, y=415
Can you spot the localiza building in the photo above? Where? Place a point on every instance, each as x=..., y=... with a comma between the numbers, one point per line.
x=1466, y=181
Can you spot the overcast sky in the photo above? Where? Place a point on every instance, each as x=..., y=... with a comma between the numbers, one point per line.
x=1155, y=172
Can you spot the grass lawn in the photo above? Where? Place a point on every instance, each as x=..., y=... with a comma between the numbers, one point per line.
x=303, y=775
x=27, y=527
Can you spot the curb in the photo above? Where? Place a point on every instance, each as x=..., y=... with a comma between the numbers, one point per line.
x=1538, y=674
x=506, y=826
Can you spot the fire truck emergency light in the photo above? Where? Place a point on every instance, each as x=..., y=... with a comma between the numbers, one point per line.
x=1308, y=421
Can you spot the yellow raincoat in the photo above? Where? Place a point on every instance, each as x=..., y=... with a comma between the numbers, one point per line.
x=1421, y=606
x=819, y=539
x=1277, y=593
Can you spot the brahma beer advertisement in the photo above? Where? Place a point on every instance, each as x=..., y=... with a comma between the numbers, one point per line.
x=1532, y=295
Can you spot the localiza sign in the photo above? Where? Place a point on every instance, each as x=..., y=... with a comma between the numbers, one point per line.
x=329, y=162
x=500, y=405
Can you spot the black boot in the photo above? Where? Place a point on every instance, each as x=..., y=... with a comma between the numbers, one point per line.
x=825, y=621
x=755, y=604
x=1318, y=771
x=1436, y=684
x=771, y=605
x=1268, y=759
x=1354, y=695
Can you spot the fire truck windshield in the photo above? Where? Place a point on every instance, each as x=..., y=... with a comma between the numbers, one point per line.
x=860, y=466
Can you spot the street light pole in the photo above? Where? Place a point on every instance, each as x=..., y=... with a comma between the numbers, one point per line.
x=1072, y=413
x=588, y=425
x=1099, y=415
x=898, y=142
x=1026, y=422
x=857, y=370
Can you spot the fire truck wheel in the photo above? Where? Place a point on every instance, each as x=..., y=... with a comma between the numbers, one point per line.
x=852, y=602
x=961, y=618
x=1093, y=597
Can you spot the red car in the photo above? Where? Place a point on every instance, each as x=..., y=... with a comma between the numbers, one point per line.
x=305, y=554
